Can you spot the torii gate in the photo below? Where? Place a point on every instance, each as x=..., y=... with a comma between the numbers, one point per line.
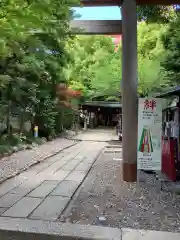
x=128, y=28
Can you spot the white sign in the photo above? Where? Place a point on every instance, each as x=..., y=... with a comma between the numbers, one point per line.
x=149, y=134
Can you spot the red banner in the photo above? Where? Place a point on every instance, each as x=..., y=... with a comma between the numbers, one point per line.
x=168, y=160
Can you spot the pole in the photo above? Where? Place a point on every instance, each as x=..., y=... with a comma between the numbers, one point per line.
x=129, y=90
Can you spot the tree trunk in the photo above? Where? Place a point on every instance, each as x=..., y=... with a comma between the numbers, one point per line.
x=22, y=121
x=8, y=120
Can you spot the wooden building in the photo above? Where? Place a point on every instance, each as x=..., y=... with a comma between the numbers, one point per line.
x=102, y=113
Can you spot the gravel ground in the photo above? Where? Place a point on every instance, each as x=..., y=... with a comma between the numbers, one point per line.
x=104, y=199
x=20, y=161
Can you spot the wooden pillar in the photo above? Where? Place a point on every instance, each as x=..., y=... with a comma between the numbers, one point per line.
x=129, y=89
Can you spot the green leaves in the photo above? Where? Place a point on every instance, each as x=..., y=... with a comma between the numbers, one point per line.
x=33, y=58
x=171, y=41
x=151, y=53
x=91, y=66
x=97, y=70
x=156, y=13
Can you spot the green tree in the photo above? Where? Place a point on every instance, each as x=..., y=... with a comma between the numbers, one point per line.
x=108, y=75
x=92, y=64
x=156, y=13
x=96, y=69
x=149, y=40
x=171, y=41
x=33, y=56
x=151, y=53
x=151, y=77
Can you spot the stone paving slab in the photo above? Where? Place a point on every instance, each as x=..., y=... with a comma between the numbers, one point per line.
x=27, y=186
x=9, y=184
x=83, y=166
x=51, y=170
x=44, y=189
x=54, y=167
x=76, y=176
x=58, y=176
x=14, y=182
x=23, y=208
x=50, y=209
x=71, y=165
x=79, y=157
x=65, y=188
x=38, y=168
x=2, y=210
x=9, y=199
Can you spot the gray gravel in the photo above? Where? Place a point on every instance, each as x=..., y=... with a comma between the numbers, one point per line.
x=104, y=199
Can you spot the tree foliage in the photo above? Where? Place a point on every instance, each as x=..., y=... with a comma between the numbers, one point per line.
x=37, y=52
x=151, y=54
x=156, y=13
x=32, y=59
x=86, y=60
x=97, y=69
x=171, y=42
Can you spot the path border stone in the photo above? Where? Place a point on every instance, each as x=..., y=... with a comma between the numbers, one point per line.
x=136, y=234
x=20, y=229
x=43, y=230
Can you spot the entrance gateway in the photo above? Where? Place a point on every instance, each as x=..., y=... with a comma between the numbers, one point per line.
x=128, y=28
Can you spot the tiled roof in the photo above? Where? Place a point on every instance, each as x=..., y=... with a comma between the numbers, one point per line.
x=103, y=104
x=173, y=91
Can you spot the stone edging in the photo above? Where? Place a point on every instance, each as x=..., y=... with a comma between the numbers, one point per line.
x=20, y=229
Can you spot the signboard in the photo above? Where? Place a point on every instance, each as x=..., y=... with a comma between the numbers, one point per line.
x=149, y=134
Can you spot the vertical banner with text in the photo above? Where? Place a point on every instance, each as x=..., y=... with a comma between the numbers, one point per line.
x=149, y=134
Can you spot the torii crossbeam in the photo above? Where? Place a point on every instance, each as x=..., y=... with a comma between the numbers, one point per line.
x=90, y=3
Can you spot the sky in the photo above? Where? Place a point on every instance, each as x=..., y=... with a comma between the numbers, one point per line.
x=98, y=13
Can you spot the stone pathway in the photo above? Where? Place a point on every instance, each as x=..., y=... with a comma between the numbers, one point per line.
x=44, y=190
x=32, y=202
x=18, y=162
x=98, y=135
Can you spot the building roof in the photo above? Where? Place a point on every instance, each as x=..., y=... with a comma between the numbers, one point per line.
x=103, y=104
x=171, y=92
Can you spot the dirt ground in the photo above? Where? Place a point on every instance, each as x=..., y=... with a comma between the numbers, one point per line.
x=104, y=199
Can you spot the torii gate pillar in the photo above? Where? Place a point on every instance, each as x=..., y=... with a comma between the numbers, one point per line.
x=129, y=89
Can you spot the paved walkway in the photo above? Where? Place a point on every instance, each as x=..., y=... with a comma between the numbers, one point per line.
x=44, y=190
x=98, y=135
x=17, y=162
x=33, y=201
